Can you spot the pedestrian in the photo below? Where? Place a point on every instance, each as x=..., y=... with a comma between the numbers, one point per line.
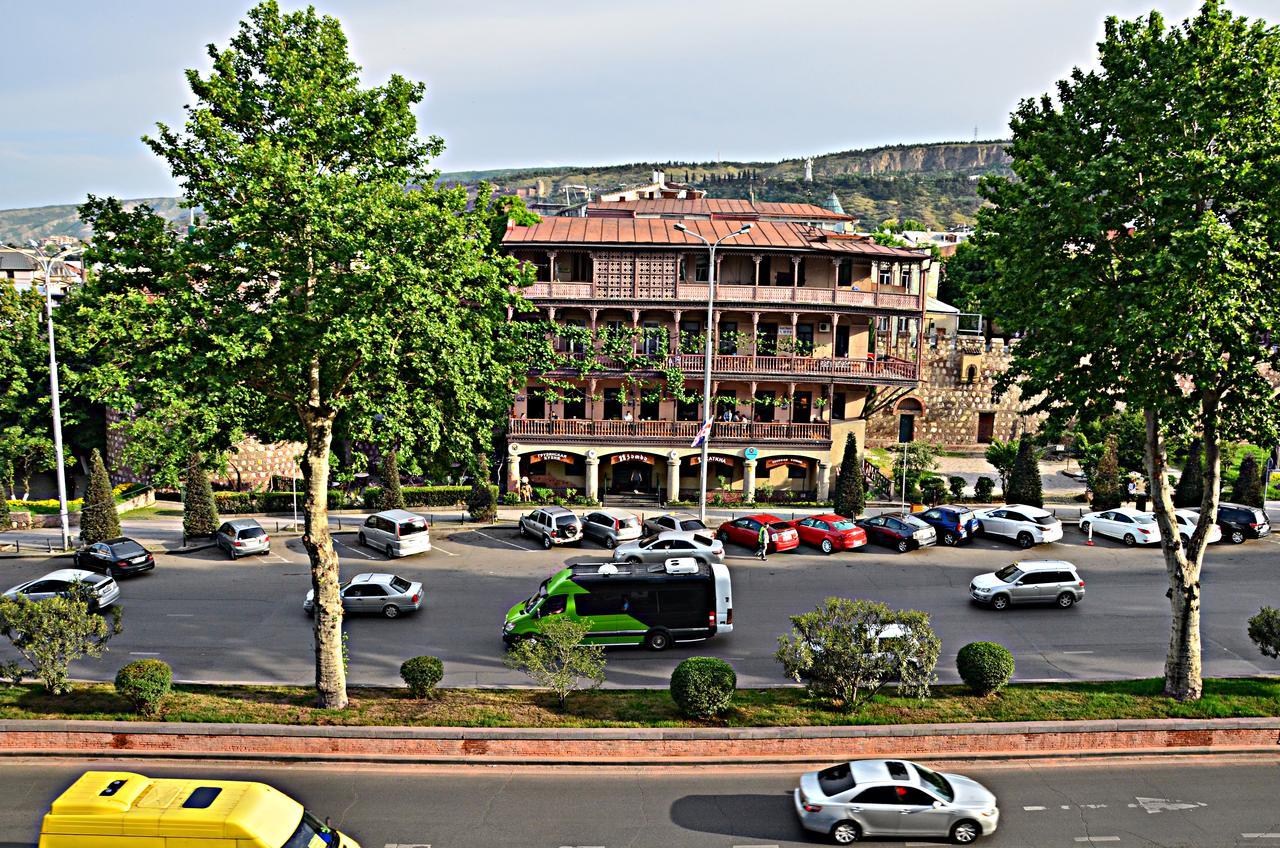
x=1133, y=490
x=626, y=416
x=762, y=542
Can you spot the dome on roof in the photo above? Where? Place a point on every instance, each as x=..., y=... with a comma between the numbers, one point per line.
x=833, y=204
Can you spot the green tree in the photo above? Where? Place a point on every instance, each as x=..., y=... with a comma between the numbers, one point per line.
x=849, y=498
x=1248, y=486
x=1264, y=631
x=482, y=504
x=1024, y=483
x=1002, y=456
x=1136, y=249
x=917, y=459
x=98, y=517
x=5, y=520
x=391, y=496
x=52, y=633
x=557, y=659
x=199, y=510
x=334, y=290
x=1190, y=489
x=26, y=435
x=964, y=276
x=1104, y=483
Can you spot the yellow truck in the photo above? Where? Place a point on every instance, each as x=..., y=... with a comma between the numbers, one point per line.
x=120, y=809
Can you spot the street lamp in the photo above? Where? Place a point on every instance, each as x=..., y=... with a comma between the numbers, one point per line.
x=48, y=261
x=706, y=359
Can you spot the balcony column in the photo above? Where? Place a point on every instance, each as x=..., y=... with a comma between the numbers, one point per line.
x=755, y=341
x=591, y=402
x=835, y=323
x=673, y=476
x=673, y=343
x=594, y=256
x=551, y=265
x=748, y=480
x=593, y=476
x=835, y=275
x=757, y=258
x=714, y=330
x=795, y=271
x=719, y=259
x=635, y=337
x=824, y=479
x=795, y=319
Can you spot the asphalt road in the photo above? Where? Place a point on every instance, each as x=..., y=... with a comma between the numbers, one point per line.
x=215, y=620
x=1207, y=803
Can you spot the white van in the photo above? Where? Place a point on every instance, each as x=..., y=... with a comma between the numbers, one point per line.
x=396, y=532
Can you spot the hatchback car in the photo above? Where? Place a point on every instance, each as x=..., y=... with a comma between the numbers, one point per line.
x=830, y=532
x=118, y=557
x=104, y=590
x=899, y=530
x=387, y=594
x=954, y=524
x=609, y=527
x=241, y=536
x=671, y=544
x=894, y=798
x=672, y=521
x=1026, y=525
x=1188, y=519
x=396, y=532
x=552, y=525
x=745, y=531
x=1240, y=522
x=1047, y=581
x=1124, y=524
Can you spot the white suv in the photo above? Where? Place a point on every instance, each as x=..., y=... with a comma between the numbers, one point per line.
x=1026, y=525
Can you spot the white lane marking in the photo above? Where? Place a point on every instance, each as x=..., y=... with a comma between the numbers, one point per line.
x=435, y=547
x=179, y=615
x=757, y=846
x=1097, y=839
x=1260, y=836
x=1077, y=652
x=1093, y=806
x=144, y=654
x=1031, y=809
x=1157, y=805
x=407, y=845
x=354, y=550
x=502, y=541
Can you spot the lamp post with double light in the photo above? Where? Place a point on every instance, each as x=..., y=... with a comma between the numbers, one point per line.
x=706, y=359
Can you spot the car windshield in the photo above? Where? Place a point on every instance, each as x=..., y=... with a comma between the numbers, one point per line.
x=400, y=584
x=532, y=601
x=252, y=533
x=911, y=521
x=692, y=524
x=629, y=522
x=415, y=525
x=1009, y=573
x=312, y=833
x=1142, y=518
x=843, y=524
x=127, y=549
x=937, y=781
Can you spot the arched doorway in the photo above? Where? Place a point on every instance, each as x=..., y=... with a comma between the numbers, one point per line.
x=907, y=410
x=632, y=473
x=555, y=470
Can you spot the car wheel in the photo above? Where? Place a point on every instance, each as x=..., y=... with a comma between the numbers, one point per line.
x=360, y=539
x=965, y=832
x=903, y=546
x=1066, y=599
x=1000, y=602
x=547, y=543
x=1084, y=527
x=391, y=552
x=949, y=539
x=846, y=833
x=1129, y=540
x=723, y=536
x=391, y=610
x=979, y=530
x=657, y=640
x=1025, y=540
x=633, y=560
x=1237, y=537
x=827, y=547
x=610, y=543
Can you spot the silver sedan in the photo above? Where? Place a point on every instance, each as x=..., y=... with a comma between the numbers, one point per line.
x=387, y=594
x=674, y=543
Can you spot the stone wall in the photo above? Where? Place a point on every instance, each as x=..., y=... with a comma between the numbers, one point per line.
x=957, y=385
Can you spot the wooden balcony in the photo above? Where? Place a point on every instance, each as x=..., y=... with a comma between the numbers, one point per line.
x=886, y=370
x=675, y=433
x=893, y=298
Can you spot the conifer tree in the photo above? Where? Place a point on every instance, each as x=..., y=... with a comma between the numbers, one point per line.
x=1105, y=481
x=392, y=496
x=1190, y=488
x=480, y=501
x=1024, y=482
x=850, y=496
x=1248, y=487
x=199, y=511
x=98, y=518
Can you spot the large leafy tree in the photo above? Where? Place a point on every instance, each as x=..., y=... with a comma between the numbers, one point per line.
x=1137, y=249
x=327, y=276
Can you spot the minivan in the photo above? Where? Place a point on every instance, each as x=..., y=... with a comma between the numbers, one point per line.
x=396, y=532
x=1240, y=522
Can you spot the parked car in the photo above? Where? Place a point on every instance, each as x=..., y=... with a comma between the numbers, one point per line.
x=1049, y=581
x=387, y=594
x=953, y=524
x=118, y=557
x=899, y=530
x=396, y=532
x=669, y=545
x=672, y=521
x=611, y=526
x=103, y=587
x=895, y=798
x=1026, y=525
x=1240, y=522
x=745, y=531
x=1188, y=519
x=242, y=536
x=830, y=532
x=1127, y=525
x=552, y=525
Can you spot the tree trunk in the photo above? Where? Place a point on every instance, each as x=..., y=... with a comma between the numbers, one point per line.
x=331, y=676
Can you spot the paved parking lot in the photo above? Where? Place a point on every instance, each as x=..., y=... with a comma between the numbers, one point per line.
x=215, y=620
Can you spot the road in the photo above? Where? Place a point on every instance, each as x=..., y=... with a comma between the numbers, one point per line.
x=1206, y=803
x=215, y=620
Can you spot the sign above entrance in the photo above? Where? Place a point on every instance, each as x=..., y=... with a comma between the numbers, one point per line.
x=798, y=463
x=631, y=457
x=712, y=460
x=551, y=456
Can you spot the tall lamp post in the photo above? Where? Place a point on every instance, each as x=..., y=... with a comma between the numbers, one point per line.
x=706, y=359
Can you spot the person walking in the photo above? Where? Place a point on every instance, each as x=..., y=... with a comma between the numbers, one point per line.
x=762, y=542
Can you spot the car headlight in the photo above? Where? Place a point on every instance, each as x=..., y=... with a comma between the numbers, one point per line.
x=507, y=627
x=988, y=813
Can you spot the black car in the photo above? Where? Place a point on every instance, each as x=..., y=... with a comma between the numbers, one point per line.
x=1240, y=522
x=117, y=557
x=898, y=530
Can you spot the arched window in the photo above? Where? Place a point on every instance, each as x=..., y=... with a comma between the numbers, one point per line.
x=971, y=376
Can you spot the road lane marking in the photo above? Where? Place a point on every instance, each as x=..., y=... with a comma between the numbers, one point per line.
x=1260, y=836
x=1097, y=839
x=407, y=845
x=179, y=615
x=144, y=653
x=1031, y=809
x=1157, y=805
x=1077, y=652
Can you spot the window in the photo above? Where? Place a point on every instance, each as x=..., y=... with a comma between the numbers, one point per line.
x=701, y=268
x=844, y=273
x=612, y=404
x=582, y=267
x=373, y=590
x=687, y=410
x=906, y=276
x=575, y=405
x=933, y=513
x=400, y=584
x=728, y=343
x=886, y=276
x=804, y=339
x=836, y=779
x=202, y=798
x=553, y=605
x=677, y=599
x=797, y=472
x=653, y=343
x=690, y=337
x=649, y=407
x=764, y=406
x=535, y=405
x=837, y=405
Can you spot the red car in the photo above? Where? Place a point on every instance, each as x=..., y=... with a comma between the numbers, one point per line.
x=830, y=532
x=746, y=532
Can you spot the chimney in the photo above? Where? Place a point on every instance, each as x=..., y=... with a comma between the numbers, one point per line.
x=660, y=178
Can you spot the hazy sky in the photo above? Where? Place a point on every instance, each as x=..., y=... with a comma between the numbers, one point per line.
x=559, y=81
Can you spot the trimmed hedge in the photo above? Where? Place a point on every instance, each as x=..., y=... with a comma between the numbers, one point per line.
x=424, y=495
x=985, y=667
x=703, y=687
x=144, y=683
x=421, y=674
x=239, y=503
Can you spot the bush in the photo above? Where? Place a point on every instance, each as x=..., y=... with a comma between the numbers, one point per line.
x=55, y=632
x=956, y=486
x=703, y=687
x=1264, y=631
x=983, y=489
x=5, y=520
x=933, y=490
x=558, y=660
x=422, y=496
x=199, y=511
x=241, y=503
x=985, y=667
x=98, y=518
x=144, y=683
x=421, y=674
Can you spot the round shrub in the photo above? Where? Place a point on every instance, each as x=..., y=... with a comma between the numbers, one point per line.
x=985, y=667
x=144, y=683
x=703, y=687
x=421, y=674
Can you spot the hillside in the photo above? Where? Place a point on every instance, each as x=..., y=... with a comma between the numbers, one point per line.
x=934, y=183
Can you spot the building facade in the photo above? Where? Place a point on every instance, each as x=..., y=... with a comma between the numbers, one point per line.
x=813, y=328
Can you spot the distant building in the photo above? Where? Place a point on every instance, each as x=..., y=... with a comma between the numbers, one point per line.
x=656, y=189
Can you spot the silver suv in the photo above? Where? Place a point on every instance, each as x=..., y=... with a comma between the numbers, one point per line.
x=1049, y=581
x=552, y=525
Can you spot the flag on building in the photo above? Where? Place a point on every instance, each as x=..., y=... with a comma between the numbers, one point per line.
x=704, y=432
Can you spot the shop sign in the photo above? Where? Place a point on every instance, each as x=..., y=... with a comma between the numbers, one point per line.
x=552, y=456
x=712, y=460
x=631, y=457
x=798, y=463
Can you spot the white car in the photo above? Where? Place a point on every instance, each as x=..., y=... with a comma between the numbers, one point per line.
x=1188, y=519
x=104, y=588
x=1026, y=525
x=1126, y=525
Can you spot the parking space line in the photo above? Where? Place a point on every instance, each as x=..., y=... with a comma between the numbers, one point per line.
x=502, y=541
x=1260, y=836
x=1097, y=839
x=435, y=547
x=354, y=550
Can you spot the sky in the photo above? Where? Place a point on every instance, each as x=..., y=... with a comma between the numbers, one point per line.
x=559, y=82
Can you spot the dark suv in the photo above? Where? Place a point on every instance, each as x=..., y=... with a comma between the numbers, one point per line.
x=1240, y=522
